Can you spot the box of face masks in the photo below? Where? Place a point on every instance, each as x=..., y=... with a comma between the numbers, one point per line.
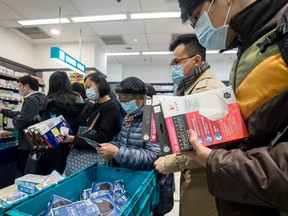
x=213, y=114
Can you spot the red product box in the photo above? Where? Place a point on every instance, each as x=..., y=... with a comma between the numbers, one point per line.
x=214, y=115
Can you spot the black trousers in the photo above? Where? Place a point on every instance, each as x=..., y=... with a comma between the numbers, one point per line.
x=22, y=156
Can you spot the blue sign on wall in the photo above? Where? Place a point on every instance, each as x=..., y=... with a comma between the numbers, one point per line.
x=65, y=59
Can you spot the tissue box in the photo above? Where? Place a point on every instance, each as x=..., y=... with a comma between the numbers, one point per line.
x=214, y=115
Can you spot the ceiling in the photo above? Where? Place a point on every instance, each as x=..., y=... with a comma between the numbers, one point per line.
x=152, y=34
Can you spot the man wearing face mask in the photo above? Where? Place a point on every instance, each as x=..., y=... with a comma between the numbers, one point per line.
x=253, y=177
x=193, y=75
x=32, y=104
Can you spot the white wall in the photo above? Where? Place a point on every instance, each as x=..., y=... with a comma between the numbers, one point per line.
x=16, y=49
x=100, y=60
x=161, y=73
x=114, y=72
x=42, y=54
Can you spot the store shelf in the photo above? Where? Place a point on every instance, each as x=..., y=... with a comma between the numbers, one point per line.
x=163, y=88
x=7, y=76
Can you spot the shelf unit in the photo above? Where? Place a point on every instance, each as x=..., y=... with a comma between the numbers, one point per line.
x=164, y=88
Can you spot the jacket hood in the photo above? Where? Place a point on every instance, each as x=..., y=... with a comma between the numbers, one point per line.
x=262, y=19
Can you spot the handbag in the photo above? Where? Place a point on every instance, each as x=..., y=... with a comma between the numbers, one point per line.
x=80, y=158
x=33, y=163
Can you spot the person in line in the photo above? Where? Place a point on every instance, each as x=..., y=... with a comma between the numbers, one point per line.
x=60, y=100
x=129, y=151
x=193, y=75
x=253, y=178
x=33, y=102
x=100, y=122
x=80, y=89
x=150, y=90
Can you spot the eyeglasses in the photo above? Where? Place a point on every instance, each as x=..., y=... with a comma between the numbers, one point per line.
x=192, y=21
x=175, y=63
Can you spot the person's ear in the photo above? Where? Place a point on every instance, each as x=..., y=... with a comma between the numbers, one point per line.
x=140, y=102
x=197, y=60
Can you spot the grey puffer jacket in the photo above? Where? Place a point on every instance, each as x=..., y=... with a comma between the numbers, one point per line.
x=133, y=152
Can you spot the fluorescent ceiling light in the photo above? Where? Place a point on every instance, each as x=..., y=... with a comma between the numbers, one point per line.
x=218, y=52
x=155, y=15
x=123, y=54
x=100, y=18
x=230, y=52
x=55, y=31
x=42, y=21
x=157, y=53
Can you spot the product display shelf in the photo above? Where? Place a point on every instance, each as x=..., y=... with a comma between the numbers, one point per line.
x=141, y=185
x=164, y=88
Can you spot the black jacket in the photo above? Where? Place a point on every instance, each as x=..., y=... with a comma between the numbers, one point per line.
x=55, y=159
x=25, y=118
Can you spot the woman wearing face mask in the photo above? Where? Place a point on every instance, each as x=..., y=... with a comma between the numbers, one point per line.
x=100, y=121
x=129, y=151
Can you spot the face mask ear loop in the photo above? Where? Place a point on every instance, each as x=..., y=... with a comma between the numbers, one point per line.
x=210, y=6
x=189, y=60
x=228, y=13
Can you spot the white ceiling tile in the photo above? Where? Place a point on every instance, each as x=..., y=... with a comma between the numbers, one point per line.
x=158, y=47
x=41, y=9
x=141, y=38
x=118, y=27
x=166, y=26
x=7, y=12
x=122, y=48
x=99, y=7
x=164, y=5
x=159, y=38
x=9, y=24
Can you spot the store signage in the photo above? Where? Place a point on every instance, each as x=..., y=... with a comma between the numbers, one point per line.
x=63, y=58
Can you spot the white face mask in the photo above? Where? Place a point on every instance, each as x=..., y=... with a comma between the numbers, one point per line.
x=208, y=36
x=91, y=94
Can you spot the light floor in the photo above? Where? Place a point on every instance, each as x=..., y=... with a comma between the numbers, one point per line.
x=175, y=210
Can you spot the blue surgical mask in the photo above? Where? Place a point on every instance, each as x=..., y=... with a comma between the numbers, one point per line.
x=208, y=36
x=21, y=93
x=91, y=94
x=130, y=107
x=177, y=72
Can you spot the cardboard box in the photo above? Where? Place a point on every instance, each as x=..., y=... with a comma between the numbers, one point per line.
x=214, y=115
x=30, y=180
x=146, y=119
x=162, y=134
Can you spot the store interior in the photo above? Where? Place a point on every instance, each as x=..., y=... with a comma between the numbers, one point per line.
x=98, y=44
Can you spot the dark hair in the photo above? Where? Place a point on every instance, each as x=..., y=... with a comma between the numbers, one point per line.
x=100, y=80
x=150, y=90
x=60, y=88
x=192, y=45
x=187, y=7
x=31, y=81
x=79, y=88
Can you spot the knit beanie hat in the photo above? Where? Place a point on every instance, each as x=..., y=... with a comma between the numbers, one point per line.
x=131, y=87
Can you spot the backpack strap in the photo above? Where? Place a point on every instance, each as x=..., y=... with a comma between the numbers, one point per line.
x=279, y=36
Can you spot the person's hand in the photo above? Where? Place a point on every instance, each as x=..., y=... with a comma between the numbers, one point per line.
x=4, y=133
x=199, y=153
x=69, y=138
x=107, y=150
x=159, y=165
